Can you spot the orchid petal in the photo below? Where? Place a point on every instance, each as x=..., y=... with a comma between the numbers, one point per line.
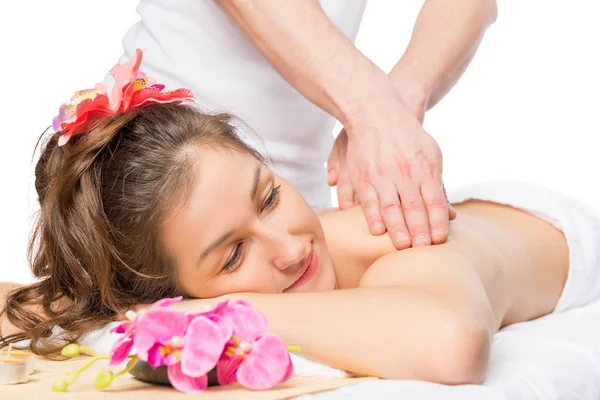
x=289, y=372
x=203, y=346
x=120, y=351
x=159, y=324
x=155, y=356
x=216, y=310
x=121, y=328
x=223, y=324
x=185, y=383
x=227, y=369
x=166, y=302
x=248, y=323
x=266, y=365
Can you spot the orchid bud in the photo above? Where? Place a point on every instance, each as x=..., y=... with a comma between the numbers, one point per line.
x=60, y=386
x=71, y=350
x=104, y=379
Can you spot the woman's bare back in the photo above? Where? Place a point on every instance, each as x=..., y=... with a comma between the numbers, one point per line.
x=521, y=260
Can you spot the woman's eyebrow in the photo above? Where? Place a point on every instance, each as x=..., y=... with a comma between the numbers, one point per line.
x=255, y=183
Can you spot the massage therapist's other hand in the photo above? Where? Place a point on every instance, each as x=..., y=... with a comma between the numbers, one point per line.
x=385, y=161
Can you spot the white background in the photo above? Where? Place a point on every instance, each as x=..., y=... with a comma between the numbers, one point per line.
x=527, y=108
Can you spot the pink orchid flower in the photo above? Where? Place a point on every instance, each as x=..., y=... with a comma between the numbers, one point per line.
x=132, y=88
x=189, y=348
x=122, y=347
x=254, y=359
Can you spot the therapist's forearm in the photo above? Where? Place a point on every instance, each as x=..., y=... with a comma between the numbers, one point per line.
x=307, y=50
x=444, y=41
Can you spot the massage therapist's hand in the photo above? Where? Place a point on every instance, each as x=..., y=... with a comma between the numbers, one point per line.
x=395, y=168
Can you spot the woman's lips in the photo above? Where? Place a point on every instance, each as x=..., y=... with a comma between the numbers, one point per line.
x=308, y=270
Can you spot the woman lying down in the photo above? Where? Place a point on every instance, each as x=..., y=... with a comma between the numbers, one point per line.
x=162, y=200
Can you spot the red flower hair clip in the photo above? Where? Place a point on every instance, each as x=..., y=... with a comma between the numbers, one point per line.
x=132, y=88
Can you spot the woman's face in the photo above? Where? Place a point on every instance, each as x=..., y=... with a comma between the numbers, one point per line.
x=245, y=229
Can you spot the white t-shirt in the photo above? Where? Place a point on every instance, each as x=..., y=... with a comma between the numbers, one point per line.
x=194, y=44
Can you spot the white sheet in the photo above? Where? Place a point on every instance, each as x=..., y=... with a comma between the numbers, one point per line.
x=554, y=357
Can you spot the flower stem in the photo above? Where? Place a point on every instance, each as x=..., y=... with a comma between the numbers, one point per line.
x=294, y=349
x=80, y=370
x=89, y=351
x=129, y=366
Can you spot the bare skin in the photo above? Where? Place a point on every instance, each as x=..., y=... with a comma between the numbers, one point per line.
x=499, y=266
x=522, y=260
x=426, y=313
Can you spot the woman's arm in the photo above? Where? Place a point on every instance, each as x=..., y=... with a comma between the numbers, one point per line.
x=6, y=329
x=414, y=316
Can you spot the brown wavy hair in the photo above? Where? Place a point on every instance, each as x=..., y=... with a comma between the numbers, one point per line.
x=95, y=250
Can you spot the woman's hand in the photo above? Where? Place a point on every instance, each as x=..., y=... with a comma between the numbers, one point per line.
x=387, y=162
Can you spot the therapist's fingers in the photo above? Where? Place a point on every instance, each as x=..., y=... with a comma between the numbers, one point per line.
x=356, y=199
x=393, y=218
x=451, y=210
x=437, y=211
x=333, y=164
x=415, y=213
x=345, y=191
x=370, y=204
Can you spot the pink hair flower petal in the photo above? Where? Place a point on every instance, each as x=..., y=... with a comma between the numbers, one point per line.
x=125, y=76
x=88, y=111
x=132, y=88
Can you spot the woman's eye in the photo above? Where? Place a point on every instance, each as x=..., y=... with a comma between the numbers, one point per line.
x=272, y=200
x=235, y=258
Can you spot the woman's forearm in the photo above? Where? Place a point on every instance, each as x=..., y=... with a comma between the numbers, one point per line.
x=444, y=41
x=395, y=332
x=307, y=50
x=6, y=329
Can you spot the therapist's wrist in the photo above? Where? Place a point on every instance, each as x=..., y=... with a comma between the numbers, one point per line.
x=375, y=101
x=415, y=94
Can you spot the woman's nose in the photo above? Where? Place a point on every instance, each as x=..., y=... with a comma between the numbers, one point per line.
x=286, y=250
